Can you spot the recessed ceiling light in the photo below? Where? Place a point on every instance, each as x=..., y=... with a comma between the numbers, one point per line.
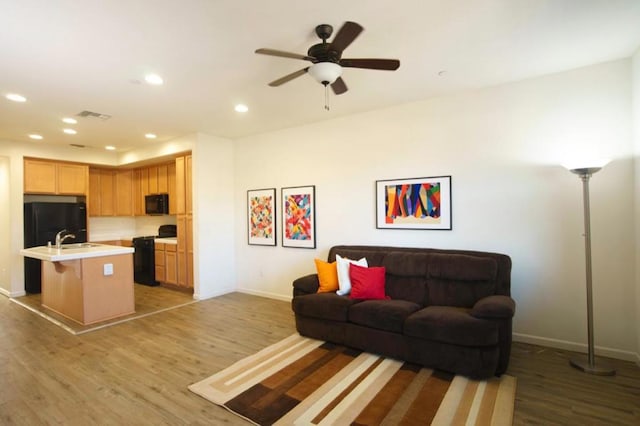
x=110, y=148
x=69, y=120
x=35, y=136
x=241, y=108
x=16, y=98
x=69, y=131
x=150, y=136
x=154, y=79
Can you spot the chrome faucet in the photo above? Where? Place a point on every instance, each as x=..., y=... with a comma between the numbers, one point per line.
x=60, y=238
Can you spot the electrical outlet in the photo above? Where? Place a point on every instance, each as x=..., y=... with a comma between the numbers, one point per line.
x=108, y=269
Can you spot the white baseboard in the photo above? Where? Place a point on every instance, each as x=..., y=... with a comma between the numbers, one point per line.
x=576, y=347
x=204, y=296
x=265, y=294
x=7, y=293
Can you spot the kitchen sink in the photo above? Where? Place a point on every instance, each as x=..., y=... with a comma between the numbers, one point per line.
x=79, y=245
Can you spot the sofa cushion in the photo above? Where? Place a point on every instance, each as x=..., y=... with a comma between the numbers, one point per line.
x=367, y=283
x=453, y=325
x=388, y=315
x=328, y=306
x=327, y=276
x=460, y=280
x=343, y=273
x=406, y=276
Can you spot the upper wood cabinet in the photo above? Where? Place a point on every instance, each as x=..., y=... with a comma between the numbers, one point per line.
x=124, y=192
x=171, y=190
x=110, y=192
x=53, y=177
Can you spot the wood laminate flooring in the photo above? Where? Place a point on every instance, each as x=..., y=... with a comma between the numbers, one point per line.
x=148, y=300
x=137, y=372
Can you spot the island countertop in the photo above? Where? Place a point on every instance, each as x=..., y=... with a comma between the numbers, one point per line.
x=74, y=251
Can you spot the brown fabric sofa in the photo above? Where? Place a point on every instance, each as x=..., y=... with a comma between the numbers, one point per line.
x=448, y=309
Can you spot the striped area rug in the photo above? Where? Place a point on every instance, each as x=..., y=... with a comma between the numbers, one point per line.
x=307, y=382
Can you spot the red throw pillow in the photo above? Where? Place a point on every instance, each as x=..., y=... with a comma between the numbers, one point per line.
x=367, y=283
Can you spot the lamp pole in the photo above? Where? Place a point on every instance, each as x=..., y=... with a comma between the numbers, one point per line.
x=588, y=365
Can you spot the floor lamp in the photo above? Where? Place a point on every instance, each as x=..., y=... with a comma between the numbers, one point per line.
x=588, y=365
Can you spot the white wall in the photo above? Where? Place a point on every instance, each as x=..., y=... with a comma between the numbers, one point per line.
x=5, y=227
x=636, y=137
x=213, y=216
x=503, y=147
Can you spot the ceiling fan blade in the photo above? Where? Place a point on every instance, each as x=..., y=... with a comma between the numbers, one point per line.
x=372, y=64
x=338, y=86
x=282, y=54
x=346, y=34
x=288, y=77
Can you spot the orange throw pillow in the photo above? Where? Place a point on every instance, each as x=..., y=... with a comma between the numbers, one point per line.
x=327, y=275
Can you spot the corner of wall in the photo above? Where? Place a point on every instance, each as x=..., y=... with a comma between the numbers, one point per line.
x=635, y=102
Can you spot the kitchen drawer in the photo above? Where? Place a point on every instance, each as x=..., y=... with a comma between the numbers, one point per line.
x=159, y=255
x=171, y=247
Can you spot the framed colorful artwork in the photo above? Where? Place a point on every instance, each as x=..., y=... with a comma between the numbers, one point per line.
x=261, y=216
x=299, y=217
x=419, y=203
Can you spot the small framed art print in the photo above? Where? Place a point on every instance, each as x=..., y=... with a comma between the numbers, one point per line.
x=417, y=203
x=261, y=216
x=298, y=217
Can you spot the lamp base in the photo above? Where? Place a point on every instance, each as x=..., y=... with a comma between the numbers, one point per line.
x=582, y=364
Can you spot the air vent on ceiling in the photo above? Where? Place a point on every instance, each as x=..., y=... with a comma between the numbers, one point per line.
x=91, y=114
x=77, y=145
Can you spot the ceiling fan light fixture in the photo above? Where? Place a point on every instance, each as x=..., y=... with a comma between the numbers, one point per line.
x=325, y=72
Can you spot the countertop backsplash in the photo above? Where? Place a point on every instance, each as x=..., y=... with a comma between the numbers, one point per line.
x=119, y=227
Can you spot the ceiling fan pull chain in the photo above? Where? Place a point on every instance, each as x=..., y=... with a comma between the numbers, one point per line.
x=326, y=97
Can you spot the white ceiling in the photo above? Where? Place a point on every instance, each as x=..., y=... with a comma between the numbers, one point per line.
x=67, y=56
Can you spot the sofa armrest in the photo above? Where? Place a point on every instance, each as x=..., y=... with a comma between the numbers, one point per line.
x=497, y=306
x=306, y=285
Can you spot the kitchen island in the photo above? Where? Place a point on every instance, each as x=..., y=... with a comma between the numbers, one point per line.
x=86, y=282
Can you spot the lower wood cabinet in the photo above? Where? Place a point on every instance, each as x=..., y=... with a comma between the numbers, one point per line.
x=166, y=264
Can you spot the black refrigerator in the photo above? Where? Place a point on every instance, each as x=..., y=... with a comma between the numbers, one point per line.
x=42, y=221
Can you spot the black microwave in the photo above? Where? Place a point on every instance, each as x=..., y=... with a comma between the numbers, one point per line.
x=156, y=204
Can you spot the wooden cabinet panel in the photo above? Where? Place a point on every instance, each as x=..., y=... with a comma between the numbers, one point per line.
x=138, y=196
x=171, y=266
x=187, y=185
x=181, y=207
x=39, y=177
x=72, y=178
x=181, y=225
x=159, y=261
x=144, y=181
x=52, y=177
x=163, y=182
x=107, y=203
x=189, y=251
x=94, y=193
x=171, y=184
x=153, y=179
x=124, y=192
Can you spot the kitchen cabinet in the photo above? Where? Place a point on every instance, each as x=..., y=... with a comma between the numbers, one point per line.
x=171, y=186
x=166, y=264
x=124, y=192
x=159, y=262
x=171, y=263
x=163, y=179
x=184, y=221
x=110, y=192
x=107, y=205
x=153, y=179
x=53, y=177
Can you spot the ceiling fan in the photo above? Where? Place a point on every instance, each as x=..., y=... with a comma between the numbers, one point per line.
x=326, y=58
